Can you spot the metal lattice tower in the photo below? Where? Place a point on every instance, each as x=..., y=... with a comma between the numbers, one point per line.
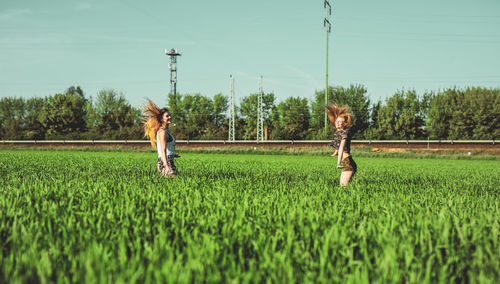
x=328, y=26
x=260, y=114
x=173, y=53
x=231, y=112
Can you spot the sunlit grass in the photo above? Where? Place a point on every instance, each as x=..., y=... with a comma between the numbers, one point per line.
x=109, y=216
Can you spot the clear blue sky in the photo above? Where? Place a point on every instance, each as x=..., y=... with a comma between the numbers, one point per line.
x=386, y=45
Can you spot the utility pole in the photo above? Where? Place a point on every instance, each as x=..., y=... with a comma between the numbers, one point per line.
x=231, y=112
x=173, y=53
x=328, y=26
x=260, y=114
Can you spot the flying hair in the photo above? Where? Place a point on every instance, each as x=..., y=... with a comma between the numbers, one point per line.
x=334, y=112
x=152, y=120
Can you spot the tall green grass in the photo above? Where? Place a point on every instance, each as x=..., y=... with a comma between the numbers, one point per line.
x=110, y=217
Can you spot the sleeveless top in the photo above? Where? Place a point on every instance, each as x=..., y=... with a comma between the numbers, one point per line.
x=337, y=138
x=170, y=145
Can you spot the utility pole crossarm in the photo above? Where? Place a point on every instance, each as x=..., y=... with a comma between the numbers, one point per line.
x=326, y=23
x=327, y=3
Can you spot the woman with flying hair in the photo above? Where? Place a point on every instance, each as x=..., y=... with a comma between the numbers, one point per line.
x=341, y=119
x=156, y=122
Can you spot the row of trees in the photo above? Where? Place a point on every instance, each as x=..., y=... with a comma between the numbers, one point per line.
x=70, y=115
x=471, y=113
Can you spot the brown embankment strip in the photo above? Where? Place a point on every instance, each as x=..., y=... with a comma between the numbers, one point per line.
x=298, y=144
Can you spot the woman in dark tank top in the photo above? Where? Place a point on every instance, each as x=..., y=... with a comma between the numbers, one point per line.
x=341, y=119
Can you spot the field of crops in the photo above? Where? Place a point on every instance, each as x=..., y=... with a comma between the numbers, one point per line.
x=110, y=217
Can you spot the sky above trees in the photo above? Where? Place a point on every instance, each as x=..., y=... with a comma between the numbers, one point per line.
x=46, y=46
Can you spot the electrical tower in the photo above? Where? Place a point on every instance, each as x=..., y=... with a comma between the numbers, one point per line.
x=328, y=26
x=173, y=53
x=231, y=111
x=260, y=114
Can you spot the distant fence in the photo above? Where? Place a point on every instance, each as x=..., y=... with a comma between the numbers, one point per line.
x=429, y=144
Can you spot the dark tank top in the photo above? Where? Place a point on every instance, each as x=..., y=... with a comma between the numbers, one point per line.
x=337, y=138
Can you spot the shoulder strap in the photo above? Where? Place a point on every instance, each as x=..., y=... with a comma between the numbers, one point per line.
x=169, y=137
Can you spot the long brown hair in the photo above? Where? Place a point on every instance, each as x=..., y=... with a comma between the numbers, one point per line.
x=334, y=112
x=152, y=120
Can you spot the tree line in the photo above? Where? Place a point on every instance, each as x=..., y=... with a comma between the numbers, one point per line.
x=454, y=113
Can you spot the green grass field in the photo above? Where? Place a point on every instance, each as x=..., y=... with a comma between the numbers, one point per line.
x=70, y=216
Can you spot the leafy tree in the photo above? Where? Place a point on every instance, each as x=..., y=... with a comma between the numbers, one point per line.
x=199, y=117
x=249, y=111
x=359, y=106
x=91, y=121
x=374, y=114
x=439, y=116
x=464, y=114
x=63, y=116
x=291, y=119
x=197, y=110
x=12, y=118
x=371, y=132
x=239, y=124
x=402, y=117
x=220, y=107
x=113, y=117
x=33, y=128
x=486, y=116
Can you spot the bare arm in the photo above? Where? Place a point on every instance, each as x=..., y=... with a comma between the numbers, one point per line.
x=341, y=153
x=161, y=137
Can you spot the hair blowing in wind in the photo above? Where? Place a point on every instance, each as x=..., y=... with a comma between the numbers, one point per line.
x=334, y=112
x=152, y=121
